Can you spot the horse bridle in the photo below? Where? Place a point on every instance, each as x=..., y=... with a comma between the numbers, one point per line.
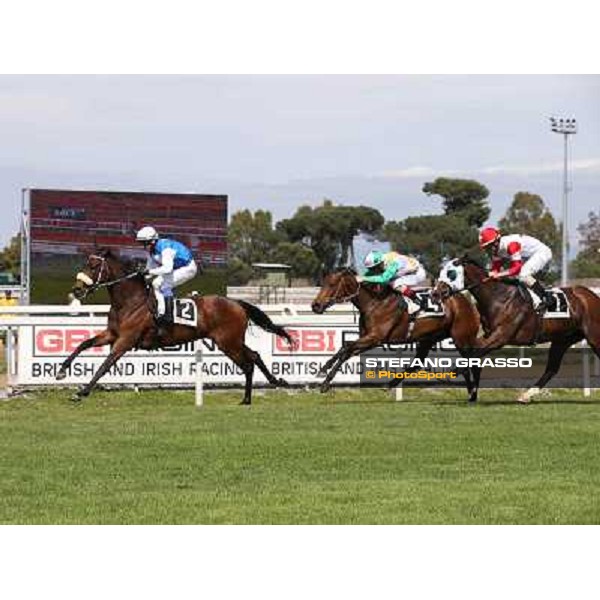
x=335, y=300
x=92, y=286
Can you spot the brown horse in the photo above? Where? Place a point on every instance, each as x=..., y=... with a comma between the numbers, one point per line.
x=131, y=322
x=382, y=320
x=508, y=317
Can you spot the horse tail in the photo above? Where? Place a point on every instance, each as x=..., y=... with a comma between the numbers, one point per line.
x=261, y=319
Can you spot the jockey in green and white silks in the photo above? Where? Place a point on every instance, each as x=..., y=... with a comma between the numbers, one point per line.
x=399, y=271
x=171, y=263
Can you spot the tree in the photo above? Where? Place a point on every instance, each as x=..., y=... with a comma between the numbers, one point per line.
x=328, y=230
x=251, y=237
x=432, y=239
x=238, y=272
x=528, y=214
x=462, y=198
x=587, y=262
x=10, y=257
x=303, y=260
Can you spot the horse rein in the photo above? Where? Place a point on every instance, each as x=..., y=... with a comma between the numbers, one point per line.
x=92, y=285
x=335, y=300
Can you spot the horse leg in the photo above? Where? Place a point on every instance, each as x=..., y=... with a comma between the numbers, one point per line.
x=555, y=356
x=258, y=361
x=248, y=368
x=476, y=371
x=423, y=349
x=119, y=348
x=323, y=370
x=102, y=339
x=346, y=352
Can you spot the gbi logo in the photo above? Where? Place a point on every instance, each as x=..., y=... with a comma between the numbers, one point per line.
x=64, y=341
x=308, y=341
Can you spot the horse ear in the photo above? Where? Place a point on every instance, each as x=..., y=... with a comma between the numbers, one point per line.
x=86, y=251
x=351, y=270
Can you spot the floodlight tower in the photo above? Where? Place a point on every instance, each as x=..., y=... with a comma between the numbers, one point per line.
x=566, y=127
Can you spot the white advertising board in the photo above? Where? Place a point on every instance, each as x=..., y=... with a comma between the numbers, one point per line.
x=44, y=345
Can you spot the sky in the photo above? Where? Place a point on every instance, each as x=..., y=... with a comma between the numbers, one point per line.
x=276, y=142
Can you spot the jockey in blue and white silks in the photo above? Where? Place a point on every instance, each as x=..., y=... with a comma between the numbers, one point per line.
x=171, y=263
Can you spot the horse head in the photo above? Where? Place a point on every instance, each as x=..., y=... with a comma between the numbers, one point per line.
x=101, y=267
x=450, y=280
x=340, y=286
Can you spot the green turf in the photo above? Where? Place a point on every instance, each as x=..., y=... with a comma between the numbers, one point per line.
x=346, y=457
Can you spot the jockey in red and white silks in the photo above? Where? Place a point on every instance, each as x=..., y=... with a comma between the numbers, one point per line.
x=524, y=254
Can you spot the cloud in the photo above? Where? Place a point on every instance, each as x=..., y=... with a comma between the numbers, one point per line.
x=410, y=173
x=584, y=165
x=589, y=165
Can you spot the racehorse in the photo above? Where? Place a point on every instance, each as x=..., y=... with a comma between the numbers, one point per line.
x=131, y=322
x=382, y=321
x=508, y=317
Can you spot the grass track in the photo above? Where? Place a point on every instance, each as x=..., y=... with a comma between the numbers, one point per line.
x=352, y=456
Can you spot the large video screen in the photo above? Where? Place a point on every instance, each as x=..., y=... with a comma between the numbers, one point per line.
x=65, y=225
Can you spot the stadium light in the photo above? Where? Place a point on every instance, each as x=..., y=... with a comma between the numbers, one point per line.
x=565, y=127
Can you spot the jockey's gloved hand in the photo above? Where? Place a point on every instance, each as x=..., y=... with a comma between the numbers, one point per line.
x=145, y=273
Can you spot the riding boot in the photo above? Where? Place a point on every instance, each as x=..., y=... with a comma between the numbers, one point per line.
x=539, y=290
x=165, y=320
x=168, y=320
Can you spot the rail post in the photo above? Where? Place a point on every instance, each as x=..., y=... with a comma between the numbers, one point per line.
x=199, y=383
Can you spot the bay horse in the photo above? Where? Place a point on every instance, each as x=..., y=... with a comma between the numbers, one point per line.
x=131, y=322
x=509, y=318
x=383, y=321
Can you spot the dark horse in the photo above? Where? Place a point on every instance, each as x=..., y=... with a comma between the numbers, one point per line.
x=131, y=323
x=508, y=317
x=382, y=321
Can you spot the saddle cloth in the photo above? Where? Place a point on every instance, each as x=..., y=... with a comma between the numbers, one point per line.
x=431, y=308
x=185, y=312
x=558, y=306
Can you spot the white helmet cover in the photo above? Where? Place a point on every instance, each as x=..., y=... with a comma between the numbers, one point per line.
x=146, y=234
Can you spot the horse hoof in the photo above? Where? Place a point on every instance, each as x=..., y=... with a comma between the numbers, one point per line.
x=525, y=397
x=245, y=403
x=76, y=398
x=61, y=375
x=282, y=383
x=324, y=388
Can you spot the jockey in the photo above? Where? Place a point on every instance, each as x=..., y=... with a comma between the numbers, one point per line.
x=399, y=271
x=171, y=264
x=526, y=256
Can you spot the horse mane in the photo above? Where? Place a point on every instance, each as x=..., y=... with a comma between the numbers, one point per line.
x=127, y=264
x=466, y=259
